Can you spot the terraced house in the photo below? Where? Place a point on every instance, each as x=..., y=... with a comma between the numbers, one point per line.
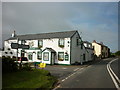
x=50, y=48
x=101, y=50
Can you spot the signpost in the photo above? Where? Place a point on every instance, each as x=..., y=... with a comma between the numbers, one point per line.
x=14, y=45
x=17, y=46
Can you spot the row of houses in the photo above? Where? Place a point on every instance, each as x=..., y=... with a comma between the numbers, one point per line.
x=54, y=48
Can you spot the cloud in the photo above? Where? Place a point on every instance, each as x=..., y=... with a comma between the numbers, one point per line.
x=89, y=18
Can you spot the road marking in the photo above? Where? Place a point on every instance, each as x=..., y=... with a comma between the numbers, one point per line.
x=76, y=69
x=112, y=74
x=64, y=68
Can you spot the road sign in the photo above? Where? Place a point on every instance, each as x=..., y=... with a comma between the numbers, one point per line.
x=25, y=46
x=14, y=45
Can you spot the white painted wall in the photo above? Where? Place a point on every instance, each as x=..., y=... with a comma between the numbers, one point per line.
x=97, y=49
x=53, y=43
x=76, y=51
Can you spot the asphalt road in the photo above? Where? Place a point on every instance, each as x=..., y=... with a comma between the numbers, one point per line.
x=62, y=71
x=115, y=68
x=93, y=76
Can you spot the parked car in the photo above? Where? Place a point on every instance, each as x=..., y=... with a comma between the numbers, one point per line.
x=24, y=59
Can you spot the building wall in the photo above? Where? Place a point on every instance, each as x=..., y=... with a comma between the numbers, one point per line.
x=89, y=53
x=49, y=43
x=53, y=43
x=76, y=51
x=97, y=49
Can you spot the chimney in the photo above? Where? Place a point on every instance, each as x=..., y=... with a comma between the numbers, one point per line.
x=13, y=34
x=94, y=41
x=101, y=43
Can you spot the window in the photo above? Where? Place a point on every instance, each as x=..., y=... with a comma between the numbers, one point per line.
x=23, y=41
x=61, y=42
x=77, y=41
x=66, y=57
x=30, y=56
x=39, y=55
x=60, y=56
x=46, y=56
x=40, y=43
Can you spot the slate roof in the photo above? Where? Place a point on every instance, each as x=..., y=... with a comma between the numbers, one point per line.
x=44, y=35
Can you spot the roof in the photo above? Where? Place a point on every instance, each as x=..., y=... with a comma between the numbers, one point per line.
x=50, y=49
x=64, y=34
x=100, y=44
x=87, y=42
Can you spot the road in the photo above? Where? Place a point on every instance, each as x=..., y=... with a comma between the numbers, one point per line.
x=93, y=76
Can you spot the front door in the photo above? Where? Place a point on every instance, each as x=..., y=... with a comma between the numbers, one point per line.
x=52, y=58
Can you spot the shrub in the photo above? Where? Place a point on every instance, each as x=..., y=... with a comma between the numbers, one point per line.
x=27, y=67
x=8, y=65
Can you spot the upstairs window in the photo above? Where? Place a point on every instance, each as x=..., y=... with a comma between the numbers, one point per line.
x=61, y=42
x=40, y=43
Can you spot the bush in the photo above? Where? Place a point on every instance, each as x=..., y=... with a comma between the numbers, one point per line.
x=8, y=65
x=27, y=67
x=117, y=53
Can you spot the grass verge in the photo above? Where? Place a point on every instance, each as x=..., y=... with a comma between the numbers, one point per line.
x=36, y=78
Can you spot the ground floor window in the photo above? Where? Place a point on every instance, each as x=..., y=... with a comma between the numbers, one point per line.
x=66, y=57
x=60, y=56
x=30, y=56
x=46, y=56
x=39, y=55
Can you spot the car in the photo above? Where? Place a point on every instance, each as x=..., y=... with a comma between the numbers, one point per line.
x=23, y=59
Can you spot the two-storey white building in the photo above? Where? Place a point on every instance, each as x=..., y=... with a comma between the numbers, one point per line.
x=89, y=54
x=50, y=48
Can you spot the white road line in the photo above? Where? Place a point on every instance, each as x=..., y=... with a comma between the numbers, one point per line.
x=76, y=69
x=110, y=70
x=114, y=74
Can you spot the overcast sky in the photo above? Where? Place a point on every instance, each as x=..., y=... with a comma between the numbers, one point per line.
x=94, y=21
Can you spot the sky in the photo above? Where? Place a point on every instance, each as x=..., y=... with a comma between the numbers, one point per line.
x=93, y=20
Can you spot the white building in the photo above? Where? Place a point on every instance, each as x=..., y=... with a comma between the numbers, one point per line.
x=101, y=50
x=50, y=48
x=89, y=54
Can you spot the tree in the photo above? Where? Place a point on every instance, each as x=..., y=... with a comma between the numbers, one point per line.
x=117, y=53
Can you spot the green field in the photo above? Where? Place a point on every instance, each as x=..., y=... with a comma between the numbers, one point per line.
x=36, y=78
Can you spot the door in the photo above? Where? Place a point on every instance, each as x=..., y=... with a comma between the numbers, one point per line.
x=84, y=57
x=52, y=58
